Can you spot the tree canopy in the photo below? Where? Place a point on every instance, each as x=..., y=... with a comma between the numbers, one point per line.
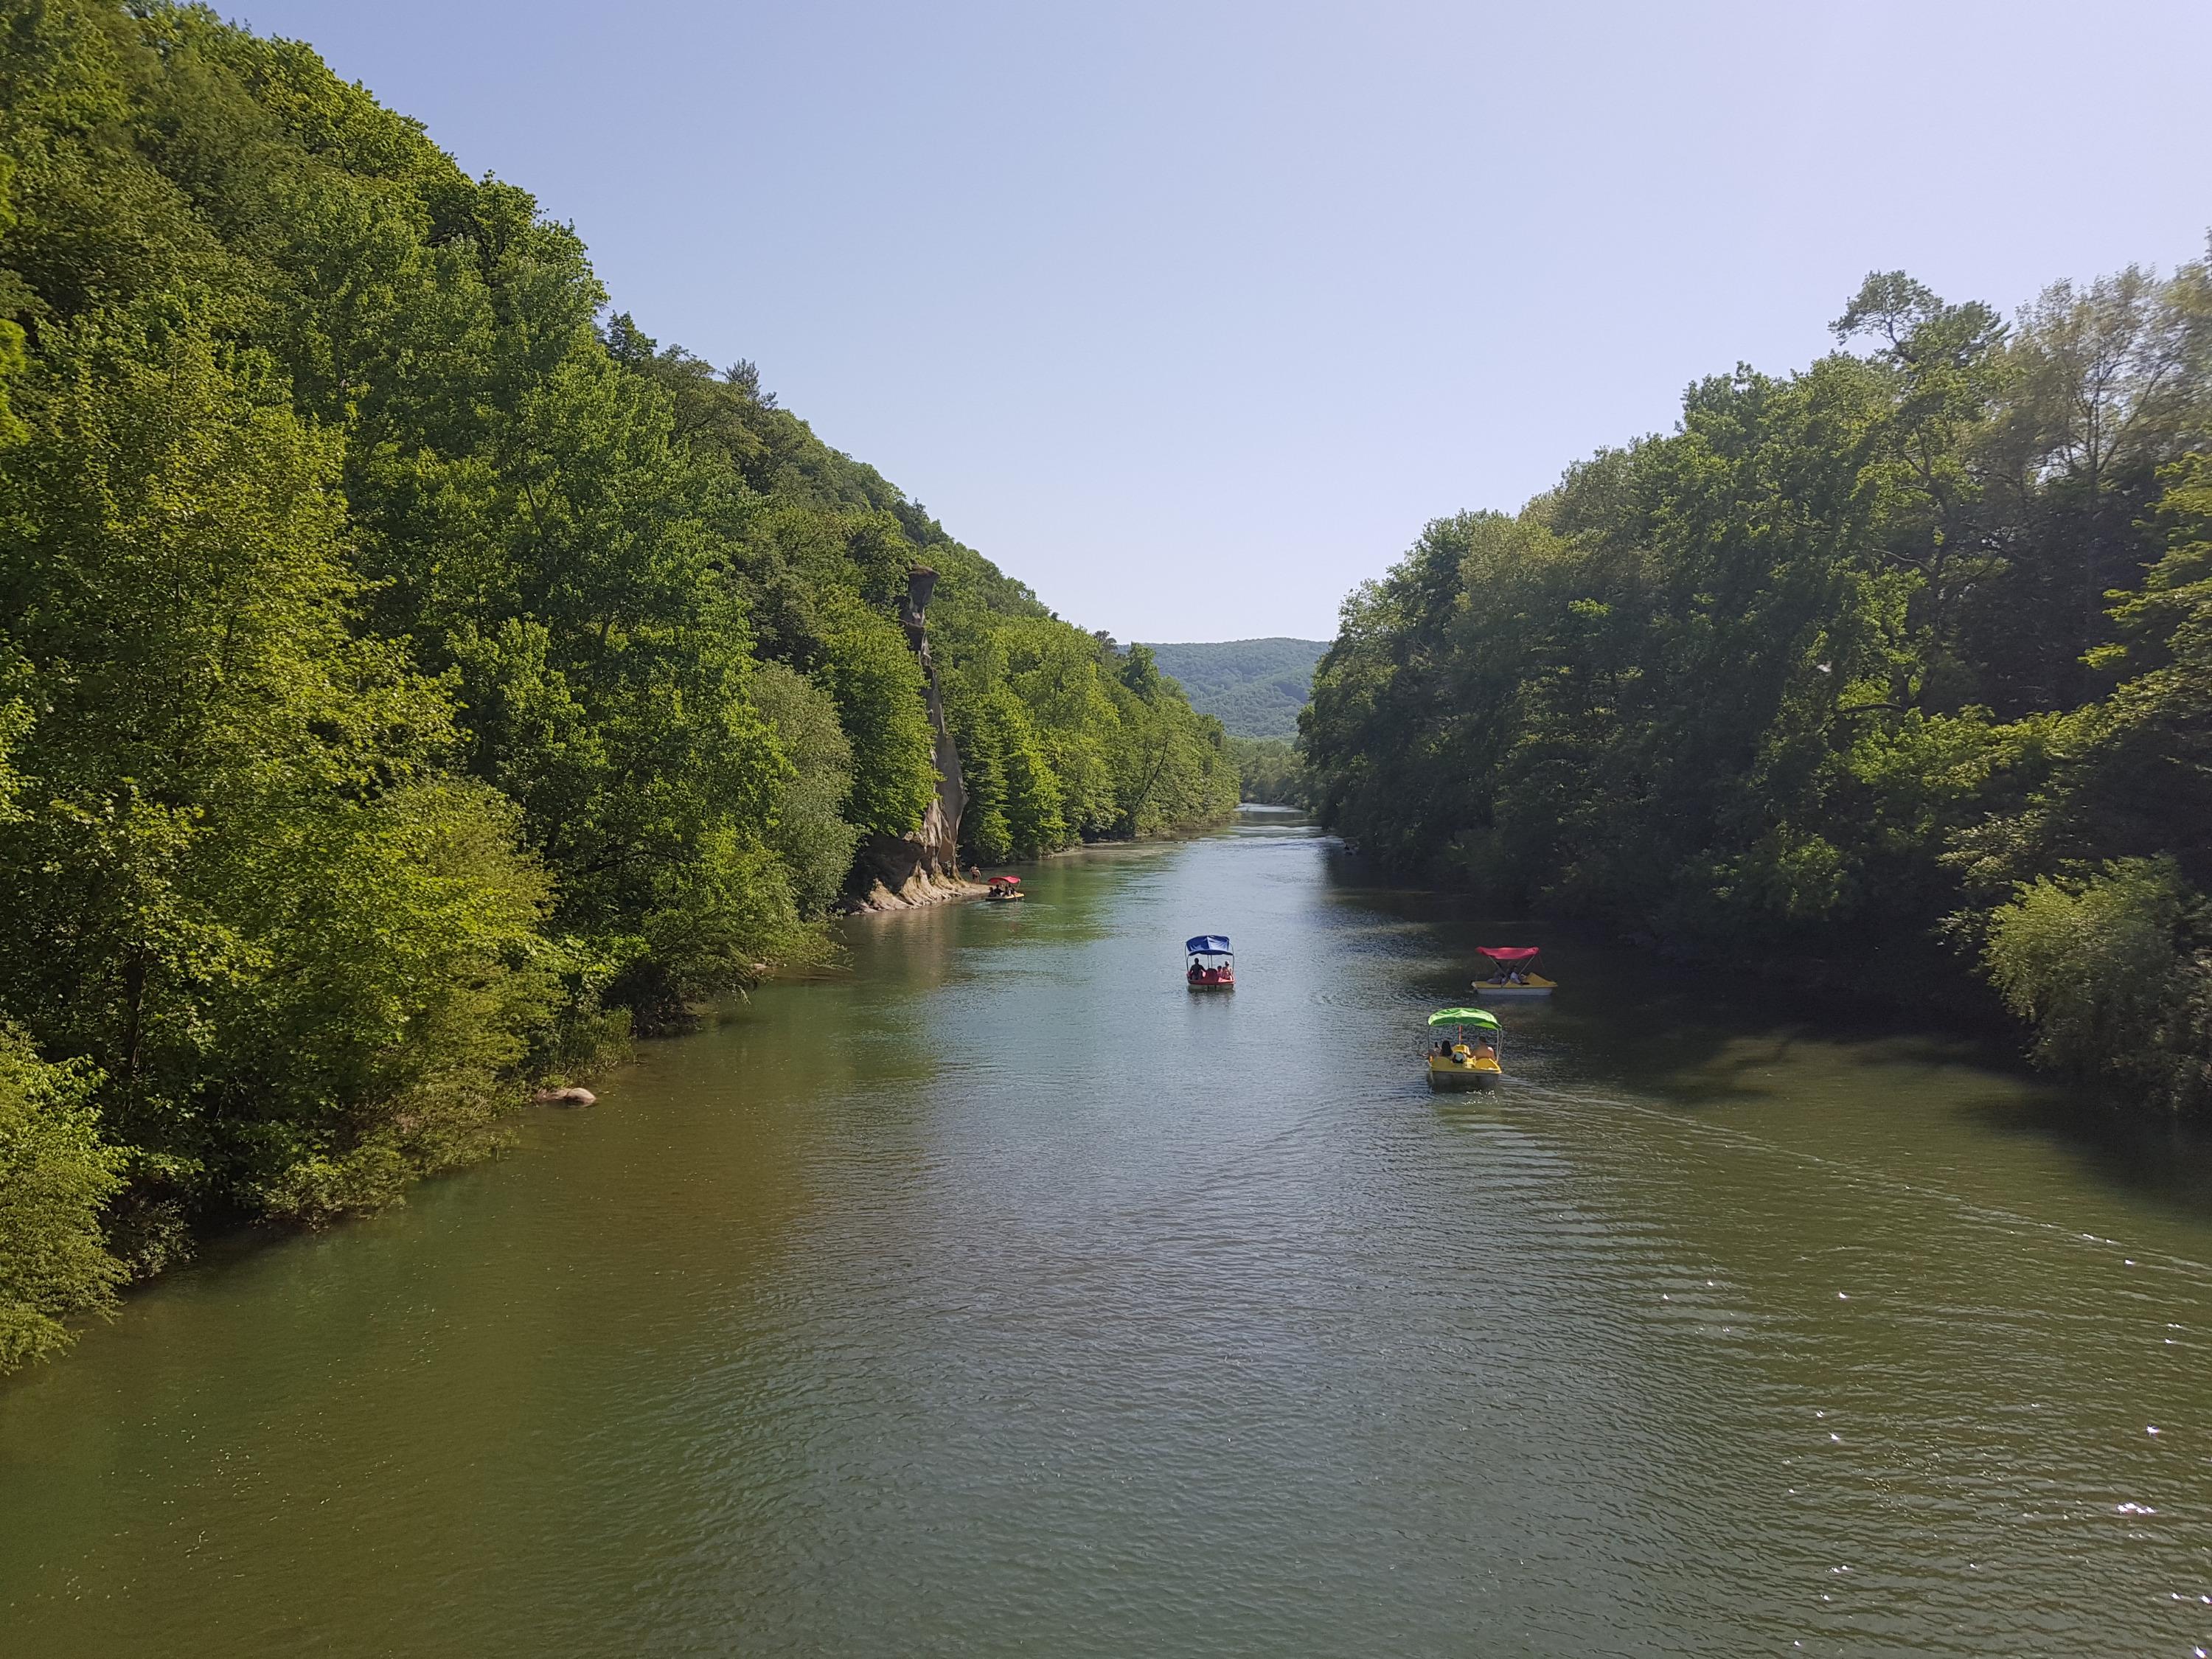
x=412, y=675
x=1907, y=657
x=1254, y=688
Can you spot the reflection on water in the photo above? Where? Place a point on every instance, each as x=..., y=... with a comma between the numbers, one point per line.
x=995, y=1294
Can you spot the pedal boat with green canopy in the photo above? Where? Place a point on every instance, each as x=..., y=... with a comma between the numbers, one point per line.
x=1468, y=1059
x=1513, y=972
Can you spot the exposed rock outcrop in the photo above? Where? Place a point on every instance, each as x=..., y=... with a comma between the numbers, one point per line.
x=922, y=887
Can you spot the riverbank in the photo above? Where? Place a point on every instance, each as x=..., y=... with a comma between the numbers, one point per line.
x=62, y=1176
x=923, y=887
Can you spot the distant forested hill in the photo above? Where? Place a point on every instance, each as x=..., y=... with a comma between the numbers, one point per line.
x=1253, y=687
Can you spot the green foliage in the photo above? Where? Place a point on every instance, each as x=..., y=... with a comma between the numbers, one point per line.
x=1170, y=765
x=809, y=835
x=1014, y=795
x=408, y=685
x=55, y=1175
x=241, y=887
x=2112, y=974
x=1833, y=661
x=402, y=980
x=11, y=333
x=879, y=691
x=1271, y=770
x=1064, y=737
x=1254, y=688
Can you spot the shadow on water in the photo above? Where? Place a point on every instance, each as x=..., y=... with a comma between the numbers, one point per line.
x=2167, y=1160
x=1694, y=1039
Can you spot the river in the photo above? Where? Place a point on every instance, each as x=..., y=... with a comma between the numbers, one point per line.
x=998, y=1296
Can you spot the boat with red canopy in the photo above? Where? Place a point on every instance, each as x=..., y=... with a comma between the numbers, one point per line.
x=1514, y=972
x=1005, y=887
x=1213, y=964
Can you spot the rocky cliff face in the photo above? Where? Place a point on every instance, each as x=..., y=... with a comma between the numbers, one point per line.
x=896, y=871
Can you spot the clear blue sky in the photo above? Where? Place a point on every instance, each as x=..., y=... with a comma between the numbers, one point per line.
x=1192, y=314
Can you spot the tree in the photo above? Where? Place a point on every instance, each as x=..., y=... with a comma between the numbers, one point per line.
x=810, y=835
x=241, y=889
x=55, y=1177
x=408, y=685
x=1842, y=653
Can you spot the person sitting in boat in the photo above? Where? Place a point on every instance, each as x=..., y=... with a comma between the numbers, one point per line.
x=1483, y=1050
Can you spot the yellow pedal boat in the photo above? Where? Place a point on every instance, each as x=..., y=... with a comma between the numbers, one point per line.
x=1468, y=1059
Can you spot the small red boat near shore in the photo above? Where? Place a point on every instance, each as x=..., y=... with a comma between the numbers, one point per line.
x=1213, y=964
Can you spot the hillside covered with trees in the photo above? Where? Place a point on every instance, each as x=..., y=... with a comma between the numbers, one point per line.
x=1254, y=688
x=1903, y=662
x=410, y=677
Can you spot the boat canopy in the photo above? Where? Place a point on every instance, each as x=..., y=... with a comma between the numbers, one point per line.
x=1481, y=1016
x=1510, y=952
x=1208, y=944
x=1005, y=881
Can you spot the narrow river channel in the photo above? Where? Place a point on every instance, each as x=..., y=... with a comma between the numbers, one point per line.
x=998, y=1296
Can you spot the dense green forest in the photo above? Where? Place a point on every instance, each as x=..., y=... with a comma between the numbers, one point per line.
x=1254, y=688
x=1270, y=769
x=1903, y=664
x=412, y=677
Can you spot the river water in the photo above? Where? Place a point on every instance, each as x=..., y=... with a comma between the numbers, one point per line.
x=998, y=1296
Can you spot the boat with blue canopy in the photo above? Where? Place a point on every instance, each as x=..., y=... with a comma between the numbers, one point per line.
x=1212, y=965
x=1467, y=1058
